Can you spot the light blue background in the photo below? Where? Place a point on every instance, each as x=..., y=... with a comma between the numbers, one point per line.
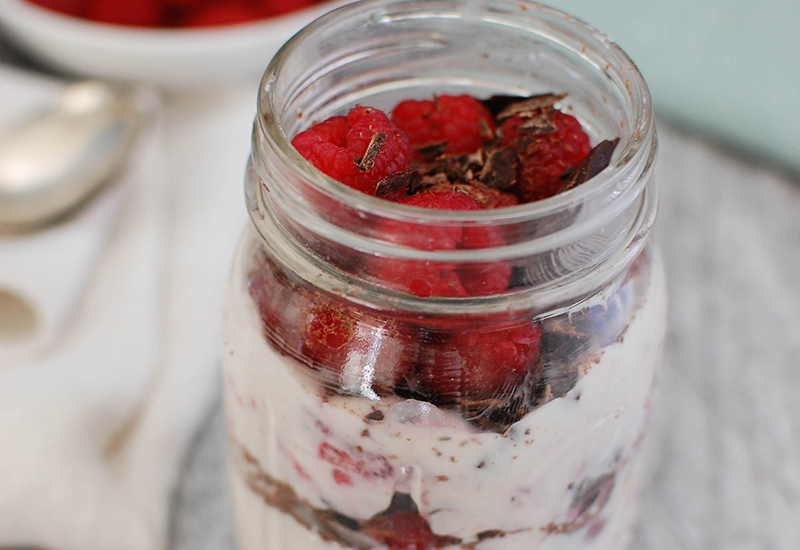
x=727, y=67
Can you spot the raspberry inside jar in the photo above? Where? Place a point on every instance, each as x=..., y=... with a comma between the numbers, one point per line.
x=501, y=151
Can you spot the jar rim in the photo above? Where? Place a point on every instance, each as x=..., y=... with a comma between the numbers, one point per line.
x=583, y=239
x=633, y=157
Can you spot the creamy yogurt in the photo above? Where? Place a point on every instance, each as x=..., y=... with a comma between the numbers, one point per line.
x=565, y=476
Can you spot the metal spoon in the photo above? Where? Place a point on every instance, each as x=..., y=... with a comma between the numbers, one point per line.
x=53, y=162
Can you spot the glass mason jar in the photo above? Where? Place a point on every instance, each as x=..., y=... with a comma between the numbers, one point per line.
x=363, y=416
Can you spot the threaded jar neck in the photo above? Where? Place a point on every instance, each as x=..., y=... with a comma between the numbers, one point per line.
x=378, y=53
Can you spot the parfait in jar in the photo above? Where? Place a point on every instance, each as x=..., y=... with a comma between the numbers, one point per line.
x=443, y=324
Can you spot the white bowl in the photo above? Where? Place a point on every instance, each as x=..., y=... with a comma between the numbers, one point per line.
x=171, y=58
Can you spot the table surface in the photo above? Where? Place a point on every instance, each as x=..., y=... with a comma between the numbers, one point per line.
x=724, y=443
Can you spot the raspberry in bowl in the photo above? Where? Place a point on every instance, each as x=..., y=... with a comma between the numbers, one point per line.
x=179, y=45
x=174, y=13
x=443, y=323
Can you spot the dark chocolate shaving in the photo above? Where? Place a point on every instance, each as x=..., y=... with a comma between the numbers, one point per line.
x=499, y=103
x=455, y=168
x=496, y=103
x=538, y=125
x=500, y=168
x=345, y=521
x=494, y=414
x=589, y=500
x=490, y=534
x=563, y=350
x=499, y=413
x=486, y=131
x=529, y=107
x=372, y=152
x=397, y=181
x=595, y=162
x=433, y=150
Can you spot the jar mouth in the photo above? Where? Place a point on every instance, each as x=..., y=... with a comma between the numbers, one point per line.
x=632, y=160
x=572, y=244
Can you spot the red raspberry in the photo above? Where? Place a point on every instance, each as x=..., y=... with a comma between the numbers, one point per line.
x=358, y=150
x=544, y=158
x=418, y=277
x=477, y=279
x=493, y=198
x=404, y=531
x=326, y=334
x=213, y=15
x=488, y=197
x=133, y=13
x=443, y=200
x=346, y=345
x=485, y=361
x=186, y=4
x=462, y=121
x=355, y=460
x=485, y=278
x=67, y=7
x=273, y=8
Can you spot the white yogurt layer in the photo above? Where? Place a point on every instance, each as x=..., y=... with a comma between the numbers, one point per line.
x=465, y=481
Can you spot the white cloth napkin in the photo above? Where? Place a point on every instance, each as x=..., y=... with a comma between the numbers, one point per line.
x=93, y=427
x=42, y=274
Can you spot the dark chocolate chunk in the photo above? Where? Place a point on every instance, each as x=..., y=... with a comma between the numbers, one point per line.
x=499, y=103
x=595, y=162
x=538, y=125
x=433, y=150
x=493, y=415
x=345, y=521
x=456, y=168
x=563, y=349
x=490, y=534
x=496, y=103
x=529, y=107
x=498, y=413
x=500, y=168
x=396, y=181
x=372, y=152
x=375, y=416
x=486, y=131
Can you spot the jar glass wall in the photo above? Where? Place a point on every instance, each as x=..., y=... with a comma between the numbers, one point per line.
x=506, y=419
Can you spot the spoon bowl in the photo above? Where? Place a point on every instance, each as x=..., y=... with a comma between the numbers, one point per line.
x=53, y=162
